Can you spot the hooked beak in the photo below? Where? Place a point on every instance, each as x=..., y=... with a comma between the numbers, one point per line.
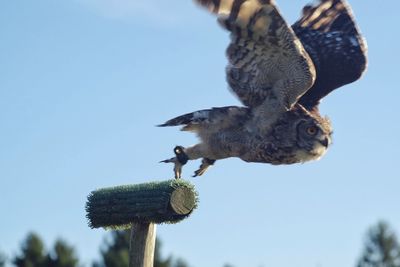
x=325, y=142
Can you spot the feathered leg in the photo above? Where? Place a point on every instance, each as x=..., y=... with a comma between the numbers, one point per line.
x=182, y=155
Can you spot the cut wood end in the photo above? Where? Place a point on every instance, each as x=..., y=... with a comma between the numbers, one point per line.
x=183, y=201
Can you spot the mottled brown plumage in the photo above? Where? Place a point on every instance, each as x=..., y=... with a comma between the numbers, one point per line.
x=280, y=73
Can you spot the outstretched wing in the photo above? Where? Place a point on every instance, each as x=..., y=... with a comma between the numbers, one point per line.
x=330, y=35
x=267, y=62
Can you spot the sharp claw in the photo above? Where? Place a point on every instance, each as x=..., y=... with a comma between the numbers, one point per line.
x=200, y=171
x=205, y=163
x=171, y=160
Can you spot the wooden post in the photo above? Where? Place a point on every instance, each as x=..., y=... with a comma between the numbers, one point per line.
x=142, y=244
x=141, y=207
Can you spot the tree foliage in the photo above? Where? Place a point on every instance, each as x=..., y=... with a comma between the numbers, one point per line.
x=381, y=248
x=170, y=261
x=63, y=255
x=2, y=259
x=115, y=253
x=33, y=254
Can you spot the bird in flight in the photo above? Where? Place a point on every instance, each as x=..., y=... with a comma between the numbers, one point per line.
x=280, y=73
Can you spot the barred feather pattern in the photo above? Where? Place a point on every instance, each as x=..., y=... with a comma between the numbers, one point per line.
x=330, y=35
x=280, y=73
x=266, y=59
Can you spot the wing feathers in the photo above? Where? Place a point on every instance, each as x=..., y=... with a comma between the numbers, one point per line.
x=329, y=33
x=328, y=16
x=235, y=15
x=264, y=52
x=228, y=6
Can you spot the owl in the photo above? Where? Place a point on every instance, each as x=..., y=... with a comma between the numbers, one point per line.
x=280, y=73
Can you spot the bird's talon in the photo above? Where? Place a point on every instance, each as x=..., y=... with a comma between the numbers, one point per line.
x=179, y=160
x=198, y=173
x=205, y=163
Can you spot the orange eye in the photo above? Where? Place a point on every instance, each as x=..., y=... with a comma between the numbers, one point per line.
x=312, y=130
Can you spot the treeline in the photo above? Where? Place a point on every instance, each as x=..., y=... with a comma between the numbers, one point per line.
x=114, y=253
x=381, y=249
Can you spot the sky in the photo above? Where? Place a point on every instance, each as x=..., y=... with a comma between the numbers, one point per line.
x=82, y=84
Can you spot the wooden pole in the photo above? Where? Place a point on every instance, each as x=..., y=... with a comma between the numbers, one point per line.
x=142, y=244
x=141, y=207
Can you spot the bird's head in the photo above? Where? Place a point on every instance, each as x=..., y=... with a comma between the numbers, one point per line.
x=307, y=132
x=313, y=134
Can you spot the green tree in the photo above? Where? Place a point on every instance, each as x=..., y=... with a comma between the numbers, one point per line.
x=381, y=248
x=2, y=259
x=168, y=262
x=180, y=263
x=32, y=252
x=115, y=253
x=63, y=255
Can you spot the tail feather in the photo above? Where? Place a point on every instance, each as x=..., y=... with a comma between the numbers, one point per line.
x=222, y=116
x=188, y=118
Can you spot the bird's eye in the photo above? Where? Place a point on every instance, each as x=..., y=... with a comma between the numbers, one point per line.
x=312, y=130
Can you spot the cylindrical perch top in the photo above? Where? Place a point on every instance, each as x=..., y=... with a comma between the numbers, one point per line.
x=157, y=202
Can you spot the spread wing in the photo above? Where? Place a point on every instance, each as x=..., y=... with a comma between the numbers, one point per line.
x=329, y=33
x=268, y=65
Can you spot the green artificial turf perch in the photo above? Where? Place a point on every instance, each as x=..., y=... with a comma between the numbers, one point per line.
x=156, y=202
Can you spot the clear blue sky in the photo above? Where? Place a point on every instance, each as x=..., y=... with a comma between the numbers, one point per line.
x=82, y=84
